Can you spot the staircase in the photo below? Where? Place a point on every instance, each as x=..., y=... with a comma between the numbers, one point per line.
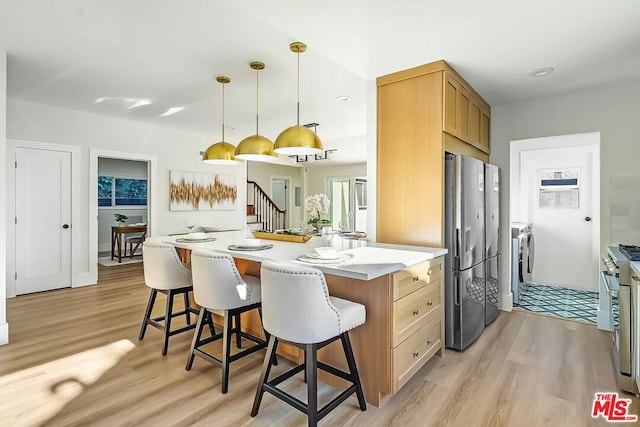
x=262, y=212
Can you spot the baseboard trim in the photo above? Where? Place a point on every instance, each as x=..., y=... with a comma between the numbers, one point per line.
x=506, y=302
x=4, y=333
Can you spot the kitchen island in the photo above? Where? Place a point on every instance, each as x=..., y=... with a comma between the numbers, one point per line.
x=400, y=286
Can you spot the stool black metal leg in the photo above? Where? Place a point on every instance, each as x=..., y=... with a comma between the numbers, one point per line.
x=226, y=350
x=167, y=322
x=353, y=370
x=267, y=336
x=311, y=371
x=305, y=364
x=147, y=313
x=238, y=330
x=209, y=321
x=186, y=307
x=264, y=376
x=196, y=337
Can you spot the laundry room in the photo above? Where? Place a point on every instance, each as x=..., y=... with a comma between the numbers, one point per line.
x=555, y=225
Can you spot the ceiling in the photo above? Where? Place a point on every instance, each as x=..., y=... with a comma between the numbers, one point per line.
x=105, y=57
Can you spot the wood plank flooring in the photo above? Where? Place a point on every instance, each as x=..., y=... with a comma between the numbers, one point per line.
x=74, y=359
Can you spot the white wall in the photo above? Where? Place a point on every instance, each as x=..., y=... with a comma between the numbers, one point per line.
x=174, y=149
x=613, y=111
x=4, y=326
x=118, y=168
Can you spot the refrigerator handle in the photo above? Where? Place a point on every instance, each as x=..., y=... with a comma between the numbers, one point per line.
x=456, y=290
x=456, y=252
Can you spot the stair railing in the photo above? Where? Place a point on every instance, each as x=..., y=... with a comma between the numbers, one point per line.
x=265, y=209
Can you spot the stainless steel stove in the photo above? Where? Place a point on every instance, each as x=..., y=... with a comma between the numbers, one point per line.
x=616, y=293
x=631, y=252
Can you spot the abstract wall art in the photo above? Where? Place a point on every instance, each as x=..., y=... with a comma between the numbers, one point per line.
x=199, y=191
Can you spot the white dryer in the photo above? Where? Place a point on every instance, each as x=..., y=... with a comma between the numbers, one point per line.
x=522, y=252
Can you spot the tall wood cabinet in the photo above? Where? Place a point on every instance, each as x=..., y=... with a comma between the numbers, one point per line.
x=423, y=112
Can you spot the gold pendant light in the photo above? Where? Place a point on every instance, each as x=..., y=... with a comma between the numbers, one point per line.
x=256, y=147
x=221, y=153
x=298, y=140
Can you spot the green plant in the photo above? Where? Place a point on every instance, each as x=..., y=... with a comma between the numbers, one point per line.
x=120, y=218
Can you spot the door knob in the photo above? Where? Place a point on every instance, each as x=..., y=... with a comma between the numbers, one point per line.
x=65, y=226
x=588, y=218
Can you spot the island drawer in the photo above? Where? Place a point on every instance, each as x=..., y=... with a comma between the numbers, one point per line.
x=410, y=313
x=411, y=278
x=413, y=353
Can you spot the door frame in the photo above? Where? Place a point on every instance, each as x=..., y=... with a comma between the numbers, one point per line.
x=591, y=142
x=77, y=278
x=289, y=207
x=152, y=199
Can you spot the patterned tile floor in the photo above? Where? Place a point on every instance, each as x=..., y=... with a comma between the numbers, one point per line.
x=568, y=303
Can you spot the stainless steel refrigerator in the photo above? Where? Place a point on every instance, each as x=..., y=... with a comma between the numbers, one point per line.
x=464, y=223
x=492, y=240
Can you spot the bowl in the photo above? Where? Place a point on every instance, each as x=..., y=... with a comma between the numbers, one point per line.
x=250, y=242
x=326, y=252
x=197, y=236
x=210, y=227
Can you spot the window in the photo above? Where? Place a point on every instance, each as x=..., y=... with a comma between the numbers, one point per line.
x=117, y=191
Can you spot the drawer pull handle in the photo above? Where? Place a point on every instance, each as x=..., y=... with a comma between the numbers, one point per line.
x=429, y=342
x=430, y=303
x=416, y=312
x=416, y=354
x=416, y=278
x=429, y=272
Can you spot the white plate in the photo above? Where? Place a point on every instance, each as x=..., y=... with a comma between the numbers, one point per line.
x=311, y=260
x=316, y=256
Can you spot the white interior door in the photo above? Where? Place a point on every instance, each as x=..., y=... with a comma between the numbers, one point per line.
x=561, y=216
x=43, y=220
x=280, y=195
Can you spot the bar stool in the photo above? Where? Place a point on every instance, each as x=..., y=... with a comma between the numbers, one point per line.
x=219, y=287
x=165, y=273
x=298, y=309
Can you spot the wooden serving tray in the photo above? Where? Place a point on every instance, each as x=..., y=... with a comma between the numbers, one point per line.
x=281, y=237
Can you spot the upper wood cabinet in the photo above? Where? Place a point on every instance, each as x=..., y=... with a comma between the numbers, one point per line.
x=422, y=112
x=463, y=113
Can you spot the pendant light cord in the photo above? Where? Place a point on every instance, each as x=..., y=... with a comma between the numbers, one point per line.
x=257, y=101
x=298, y=89
x=223, y=113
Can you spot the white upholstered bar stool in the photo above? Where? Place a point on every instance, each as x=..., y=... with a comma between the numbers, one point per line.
x=298, y=309
x=165, y=273
x=218, y=287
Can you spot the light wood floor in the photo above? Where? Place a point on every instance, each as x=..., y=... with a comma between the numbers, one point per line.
x=74, y=359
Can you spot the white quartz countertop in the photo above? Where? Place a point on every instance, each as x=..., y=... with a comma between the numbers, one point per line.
x=364, y=260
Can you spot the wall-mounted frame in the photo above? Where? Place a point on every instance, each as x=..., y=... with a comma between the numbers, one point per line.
x=121, y=191
x=200, y=191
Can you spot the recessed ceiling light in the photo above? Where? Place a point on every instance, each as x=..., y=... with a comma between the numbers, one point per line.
x=171, y=111
x=343, y=98
x=541, y=72
x=139, y=103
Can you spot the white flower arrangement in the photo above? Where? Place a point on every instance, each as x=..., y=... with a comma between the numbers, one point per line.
x=317, y=206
